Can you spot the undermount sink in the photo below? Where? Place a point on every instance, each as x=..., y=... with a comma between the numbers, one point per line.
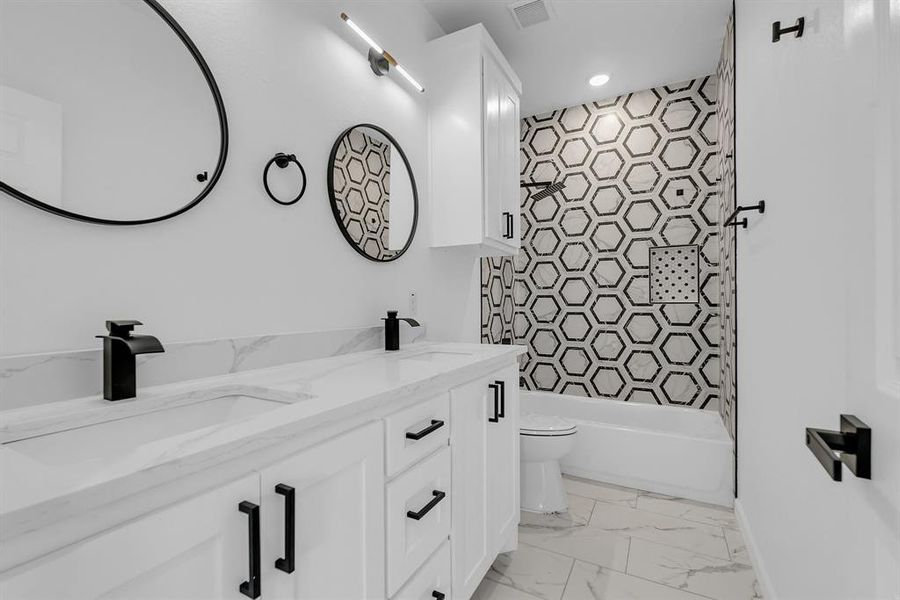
x=121, y=434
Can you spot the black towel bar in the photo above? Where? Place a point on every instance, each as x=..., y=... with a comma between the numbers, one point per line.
x=853, y=441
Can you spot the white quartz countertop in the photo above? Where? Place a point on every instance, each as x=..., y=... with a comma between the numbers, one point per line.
x=41, y=488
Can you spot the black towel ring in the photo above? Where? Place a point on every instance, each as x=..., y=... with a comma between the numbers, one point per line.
x=283, y=160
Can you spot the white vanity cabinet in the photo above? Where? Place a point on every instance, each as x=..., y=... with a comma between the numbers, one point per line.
x=474, y=144
x=485, y=442
x=411, y=499
x=193, y=549
x=203, y=548
x=338, y=514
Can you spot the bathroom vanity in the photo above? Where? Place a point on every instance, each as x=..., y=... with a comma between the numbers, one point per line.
x=376, y=475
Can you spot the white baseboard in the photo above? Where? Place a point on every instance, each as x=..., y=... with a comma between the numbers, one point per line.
x=762, y=575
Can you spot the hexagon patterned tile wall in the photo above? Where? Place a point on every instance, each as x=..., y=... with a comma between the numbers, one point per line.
x=727, y=322
x=640, y=171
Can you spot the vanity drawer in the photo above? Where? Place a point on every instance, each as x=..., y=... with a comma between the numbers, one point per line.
x=433, y=578
x=415, y=432
x=418, y=517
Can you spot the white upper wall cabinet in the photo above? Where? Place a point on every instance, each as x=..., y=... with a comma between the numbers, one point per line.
x=474, y=144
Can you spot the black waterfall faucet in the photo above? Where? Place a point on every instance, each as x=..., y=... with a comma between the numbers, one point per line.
x=392, y=329
x=120, y=348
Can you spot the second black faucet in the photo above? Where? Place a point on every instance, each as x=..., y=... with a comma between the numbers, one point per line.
x=392, y=329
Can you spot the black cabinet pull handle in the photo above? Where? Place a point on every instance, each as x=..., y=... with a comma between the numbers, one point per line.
x=437, y=594
x=418, y=435
x=438, y=496
x=502, y=389
x=286, y=564
x=251, y=587
x=508, y=225
x=496, y=417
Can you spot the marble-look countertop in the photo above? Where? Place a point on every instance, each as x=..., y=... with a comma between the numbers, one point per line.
x=318, y=394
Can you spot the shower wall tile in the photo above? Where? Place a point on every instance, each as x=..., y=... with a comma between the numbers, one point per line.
x=726, y=328
x=640, y=172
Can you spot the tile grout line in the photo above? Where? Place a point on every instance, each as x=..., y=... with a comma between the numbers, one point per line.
x=628, y=554
x=683, y=520
x=631, y=537
x=568, y=578
x=577, y=559
x=613, y=570
x=712, y=530
x=590, y=516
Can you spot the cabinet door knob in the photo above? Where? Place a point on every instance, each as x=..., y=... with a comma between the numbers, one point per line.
x=286, y=564
x=496, y=417
x=438, y=496
x=251, y=587
x=418, y=435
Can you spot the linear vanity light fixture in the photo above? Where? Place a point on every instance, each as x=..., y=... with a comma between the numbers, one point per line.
x=380, y=59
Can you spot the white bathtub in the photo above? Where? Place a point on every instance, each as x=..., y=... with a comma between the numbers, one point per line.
x=681, y=452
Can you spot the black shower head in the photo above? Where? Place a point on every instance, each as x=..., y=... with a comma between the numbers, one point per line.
x=551, y=189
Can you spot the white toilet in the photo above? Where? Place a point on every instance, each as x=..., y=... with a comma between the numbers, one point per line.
x=544, y=441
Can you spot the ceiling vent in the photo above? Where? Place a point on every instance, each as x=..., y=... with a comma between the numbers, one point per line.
x=530, y=12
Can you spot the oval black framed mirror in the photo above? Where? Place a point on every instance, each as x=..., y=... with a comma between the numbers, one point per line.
x=375, y=203
x=109, y=112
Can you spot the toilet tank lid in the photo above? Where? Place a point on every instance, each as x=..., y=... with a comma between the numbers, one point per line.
x=529, y=421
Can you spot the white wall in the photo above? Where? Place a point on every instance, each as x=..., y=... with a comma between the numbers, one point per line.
x=818, y=138
x=293, y=76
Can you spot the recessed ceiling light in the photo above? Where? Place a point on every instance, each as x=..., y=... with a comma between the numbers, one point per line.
x=598, y=80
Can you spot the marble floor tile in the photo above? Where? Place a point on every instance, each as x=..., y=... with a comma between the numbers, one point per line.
x=620, y=544
x=663, y=529
x=590, y=544
x=600, y=491
x=708, y=514
x=533, y=571
x=578, y=515
x=590, y=582
x=692, y=572
x=491, y=590
x=736, y=546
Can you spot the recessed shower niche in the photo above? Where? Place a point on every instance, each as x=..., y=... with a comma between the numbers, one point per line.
x=674, y=274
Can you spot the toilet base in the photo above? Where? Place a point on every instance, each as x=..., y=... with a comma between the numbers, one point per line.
x=542, y=489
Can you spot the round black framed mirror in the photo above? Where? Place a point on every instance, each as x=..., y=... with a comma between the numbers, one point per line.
x=373, y=195
x=109, y=112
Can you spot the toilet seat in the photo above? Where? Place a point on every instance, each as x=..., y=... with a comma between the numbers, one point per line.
x=538, y=425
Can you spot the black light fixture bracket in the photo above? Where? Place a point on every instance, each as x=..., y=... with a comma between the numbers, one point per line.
x=380, y=65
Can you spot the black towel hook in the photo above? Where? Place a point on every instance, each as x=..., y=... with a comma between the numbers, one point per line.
x=282, y=160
